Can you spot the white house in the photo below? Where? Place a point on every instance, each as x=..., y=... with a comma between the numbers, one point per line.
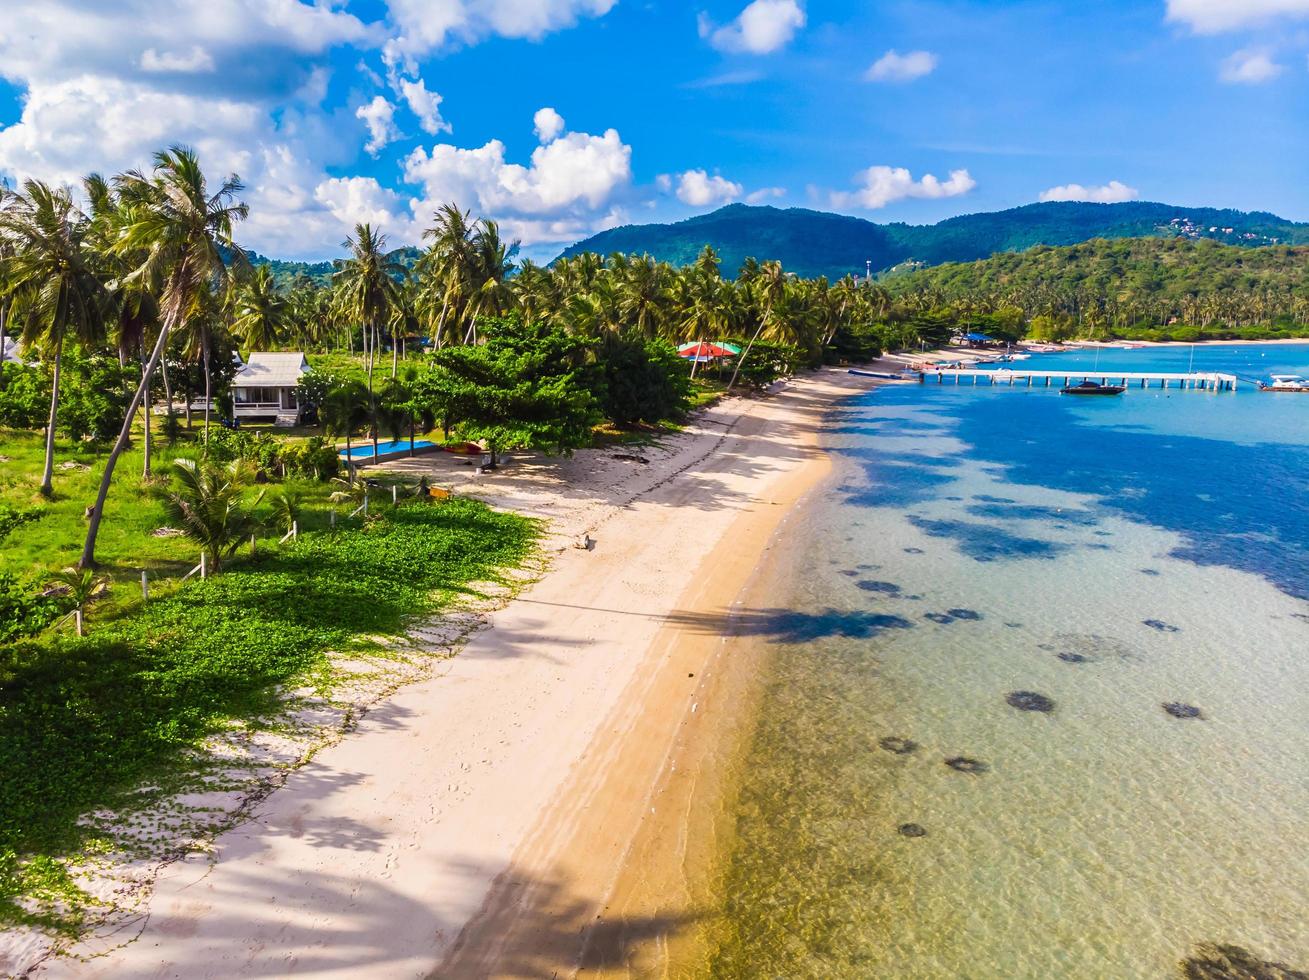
x=265, y=387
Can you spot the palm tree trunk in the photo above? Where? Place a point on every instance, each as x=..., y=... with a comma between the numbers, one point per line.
x=168, y=388
x=97, y=512
x=2, y=337
x=440, y=324
x=145, y=441
x=746, y=353
x=209, y=383
x=395, y=354
x=47, y=475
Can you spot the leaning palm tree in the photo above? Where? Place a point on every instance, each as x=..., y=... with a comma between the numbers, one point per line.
x=344, y=410
x=182, y=230
x=51, y=277
x=262, y=312
x=771, y=287
x=446, y=270
x=207, y=502
x=366, y=287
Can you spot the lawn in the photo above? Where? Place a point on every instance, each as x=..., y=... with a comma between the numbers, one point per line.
x=85, y=722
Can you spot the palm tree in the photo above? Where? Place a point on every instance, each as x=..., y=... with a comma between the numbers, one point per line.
x=262, y=312
x=52, y=278
x=366, y=287
x=344, y=410
x=182, y=230
x=445, y=272
x=82, y=585
x=207, y=502
x=771, y=287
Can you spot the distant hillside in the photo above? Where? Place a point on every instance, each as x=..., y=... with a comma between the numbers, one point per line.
x=812, y=243
x=1151, y=280
x=319, y=273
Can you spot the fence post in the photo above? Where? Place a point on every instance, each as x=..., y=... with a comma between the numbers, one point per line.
x=394, y=494
x=295, y=529
x=331, y=518
x=365, y=503
x=204, y=566
x=252, y=543
x=77, y=618
x=145, y=587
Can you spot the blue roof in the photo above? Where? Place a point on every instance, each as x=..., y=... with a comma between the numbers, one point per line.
x=977, y=336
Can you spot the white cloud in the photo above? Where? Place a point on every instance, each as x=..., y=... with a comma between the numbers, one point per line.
x=573, y=185
x=379, y=117
x=896, y=67
x=765, y=194
x=425, y=105
x=195, y=60
x=880, y=186
x=1249, y=67
x=547, y=124
x=1114, y=192
x=358, y=200
x=423, y=26
x=698, y=189
x=761, y=28
x=106, y=83
x=1217, y=16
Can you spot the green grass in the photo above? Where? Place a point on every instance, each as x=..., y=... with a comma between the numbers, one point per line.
x=85, y=722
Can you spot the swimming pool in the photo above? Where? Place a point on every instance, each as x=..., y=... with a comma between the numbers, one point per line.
x=391, y=447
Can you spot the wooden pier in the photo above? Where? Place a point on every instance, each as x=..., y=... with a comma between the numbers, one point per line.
x=1207, y=381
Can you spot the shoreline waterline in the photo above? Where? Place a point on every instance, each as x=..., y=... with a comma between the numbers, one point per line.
x=636, y=824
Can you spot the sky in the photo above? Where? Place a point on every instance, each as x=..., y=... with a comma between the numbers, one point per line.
x=560, y=118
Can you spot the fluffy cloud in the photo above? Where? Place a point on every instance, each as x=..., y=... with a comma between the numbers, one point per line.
x=762, y=27
x=195, y=60
x=1217, y=16
x=425, y=105
x=547, y=124
x=1249, y=67
x=765, y=194
x=573, y=185
x=425, y=25
x=896, y=67
x=106, y=83
x=1113, y=192
x=880, y=186
x=379, y=117
x=698, y=189
x=360, y=200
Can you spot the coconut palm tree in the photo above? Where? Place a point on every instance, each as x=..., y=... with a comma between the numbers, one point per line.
x=207, y=502
x=366, y=287
x=770, y=286
x=262, y=311
x=344, y=411
x=51, y=277
x=446, y=270
x=182, y=230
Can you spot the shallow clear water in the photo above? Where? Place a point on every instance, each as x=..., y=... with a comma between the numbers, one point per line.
x=1111, y=555
x=365, y=450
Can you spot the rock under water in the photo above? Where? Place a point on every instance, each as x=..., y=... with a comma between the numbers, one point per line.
x=1214, y=961
x=1030, y=701
x=961, y=763
x=1179, y=710
x=898, y=745
x=912, y=830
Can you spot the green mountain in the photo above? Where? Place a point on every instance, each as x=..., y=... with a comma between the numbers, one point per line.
x=813, y=243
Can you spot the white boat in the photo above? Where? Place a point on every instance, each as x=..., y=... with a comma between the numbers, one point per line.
x=1286, y=382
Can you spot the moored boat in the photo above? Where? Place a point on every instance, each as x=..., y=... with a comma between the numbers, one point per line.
x=1092, y=388
x=1286, y=382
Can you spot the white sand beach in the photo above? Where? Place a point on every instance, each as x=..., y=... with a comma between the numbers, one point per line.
x=474, y=823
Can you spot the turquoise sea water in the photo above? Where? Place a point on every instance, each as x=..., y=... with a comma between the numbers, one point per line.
x=908, y=810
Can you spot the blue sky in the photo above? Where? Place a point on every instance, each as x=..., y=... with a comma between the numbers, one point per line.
x=562, y=117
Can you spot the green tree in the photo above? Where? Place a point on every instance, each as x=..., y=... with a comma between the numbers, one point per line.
x=525, y=387
x=51, y=276
x=262, y=311
x=207, y=502
x=183, y=230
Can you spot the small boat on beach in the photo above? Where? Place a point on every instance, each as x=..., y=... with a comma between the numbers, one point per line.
x=1092, y=388
x=905, y=375
x=1286, y=382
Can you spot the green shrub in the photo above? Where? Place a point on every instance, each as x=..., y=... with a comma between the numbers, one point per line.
x=313, y=459
x=24, y=611
x=24, y=396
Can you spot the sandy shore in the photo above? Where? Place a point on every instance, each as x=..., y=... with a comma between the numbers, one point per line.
x=475, y=823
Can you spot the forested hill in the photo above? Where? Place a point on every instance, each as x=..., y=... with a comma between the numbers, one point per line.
x=1130, y=280
x=813, y=243
x=286, y=272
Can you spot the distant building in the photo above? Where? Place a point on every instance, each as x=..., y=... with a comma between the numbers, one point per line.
x=266, y=387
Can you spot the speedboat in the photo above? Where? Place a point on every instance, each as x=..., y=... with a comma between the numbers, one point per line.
x=1286, y=382
x=1092, y=388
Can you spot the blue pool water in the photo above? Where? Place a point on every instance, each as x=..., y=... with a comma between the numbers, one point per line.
x=1113, y=555
x=364, y=450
